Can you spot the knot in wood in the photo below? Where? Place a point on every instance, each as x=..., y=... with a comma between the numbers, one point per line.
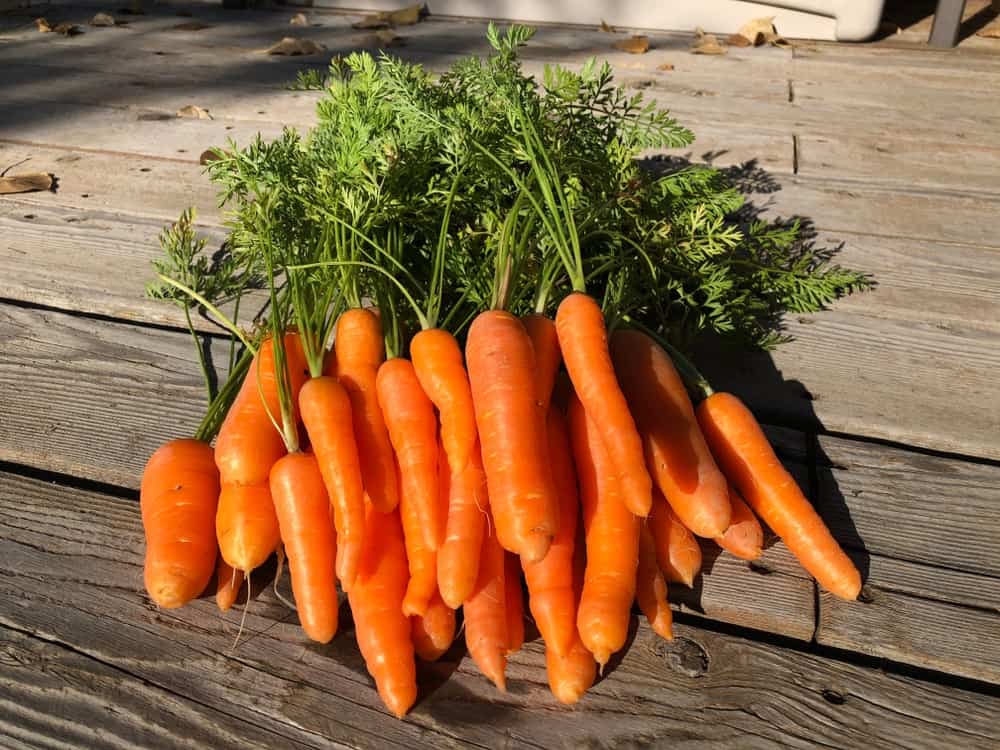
x=683, y=656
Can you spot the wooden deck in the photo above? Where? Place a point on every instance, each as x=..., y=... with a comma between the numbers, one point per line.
x=886, y=407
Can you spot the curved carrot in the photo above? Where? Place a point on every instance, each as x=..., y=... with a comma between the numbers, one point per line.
x=178, y=498
x=550, y=580
x=421, y=559
x=651, y=588
x=676, y=452
x=744, y=537
x=412, y=424
x=228, y=582
x=677, y=551
x=434, y=631
x=376, y=599
x=749, y=461
x=501, y=366
x=437, y=360
x=584, y=341
x=360, y=350
x=458, y=557
x=545, y=342
x=486, y=614
x=303, y=509
x=612, y=541
x=514, y=602
x=326, y=414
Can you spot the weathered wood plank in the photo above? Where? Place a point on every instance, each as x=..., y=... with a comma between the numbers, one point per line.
x=70, y=572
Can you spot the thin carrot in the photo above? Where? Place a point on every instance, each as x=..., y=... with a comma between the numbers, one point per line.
x=434, y=631
x=228, y=582
x=307, y=532
x=744, y=537
x=545, y=342
x=677, y=551
x=749, y=461
x=584, y=342
x=178, y=498
x=422, y=560
x=458, y=557
x=412, y=424
x=572, y=674
x=612, y=540
x=550, y=580
x=514, y=601
x=676, y=452
x=651, y=588
x=486, y=614
x=382, y=630
x=360, y=350
x=511, y=427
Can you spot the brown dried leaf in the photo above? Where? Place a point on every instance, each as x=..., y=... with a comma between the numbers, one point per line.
x=754, y=30
x=738, y=40
x=636, y=45
x=26, y=183
x=383, y=19
x=608, y=28
x=207, y=156
x=665, y=66
x=190, y=26
x=299, y=19
x=194, y=112
x=292, y=46
x=43, y=25
x=388, y=38
x=706, y=44
x=103, y=19
x=776, y=40
x=990, y=32
x=68, y=29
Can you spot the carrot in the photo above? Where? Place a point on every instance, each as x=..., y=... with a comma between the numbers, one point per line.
x=486, y=635
x=434, y=631
x=303, y=509
x=651, y=588
x=676, y=452
x=612, y=541
x=437, y=361
x=360, y=349
x=511, y=427
x=749, y=461
x=326, y=414
x=412, y=424
x=584, y=342
x=458, y=557
x=550, y=580
x=545, y=343
x=246, y=525
x=421, y=559
x=514, y=602
x=376, y=600
x=677, y=551
x=228, y=582
x=744, y=537
x=178, y=498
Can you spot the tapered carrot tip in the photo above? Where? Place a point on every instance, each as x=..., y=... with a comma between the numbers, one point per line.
x=664, y=627
x=534, y=547
x=171, y=587
x=398, y=698
x=848, y=587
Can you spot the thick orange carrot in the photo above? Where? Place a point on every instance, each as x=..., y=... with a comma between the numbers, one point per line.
x=178, y=498
x=434, y=631
x=307, y=532
x=677, y=551
x=744, y=537
x=545, y=342
x=550, y=580
x=326, y=414
x=514, y=602
x=612, y=541
x=511, y=427
x=458, y=557
x=749, y=461
x=437, y=360
x=486, y=615
x=360, y=350
x=421, y=559
x=246, y=525
x=651, y=588
x=376, y=599
x=228, y=581
x=675, y=449
x=584, y=342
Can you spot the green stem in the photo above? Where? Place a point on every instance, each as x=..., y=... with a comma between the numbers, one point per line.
x=219, y=406
x=205, y=373
x=221, y=319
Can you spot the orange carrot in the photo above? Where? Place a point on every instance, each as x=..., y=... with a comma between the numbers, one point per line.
x=511, y=427
x=178, y=498
x=651, y=588
x=612, y=541
x=360, y=350
x=550, y=580
x=228, y=582
x=744, y=537
x=434, y=631
x=677, y=551
x=485, y=610
x=422, y=560
x=246, y=525
x=303, y=509
x=376, y=600
x=584, y=342
x=458, y=557
x=514, y=602
x=675, y=449
x=412, y=424
x=749, y=461
x=545, y=342
x=326, y=414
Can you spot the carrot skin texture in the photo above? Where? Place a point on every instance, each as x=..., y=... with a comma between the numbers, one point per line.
x=744, y=538
x=514, y=601
x=178, y=498
x=545, y=343
x=468, y=503
x=676, y=453
x=382, y=630
x=421, y=559
x=485, y=610
x=749, y=461
x=434, y=631
x=326, y=414
x=584, y=341
x=677, y=551
x=246, y=525
x=612, y=542
x=651, y=588
x=307, y=531
x=228, y=583
x=551, y=597
x=360, y=350
x=501, y=365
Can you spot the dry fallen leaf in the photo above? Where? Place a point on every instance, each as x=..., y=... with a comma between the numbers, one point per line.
x=195, y=112
x=403, y=17
x=190, y=26
x=706, y=44
x=299, y=19
x=43, y=25
x=26, y=183
x=387, y=38
x=608, y=28
x=665, y=66
x=68, y=29
x=207, y=156
x=292, y=46
x=776, y=40
x=990, y=32
x=738, y=40
x=754, y=31
x=636, y=45
x=102, y=19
